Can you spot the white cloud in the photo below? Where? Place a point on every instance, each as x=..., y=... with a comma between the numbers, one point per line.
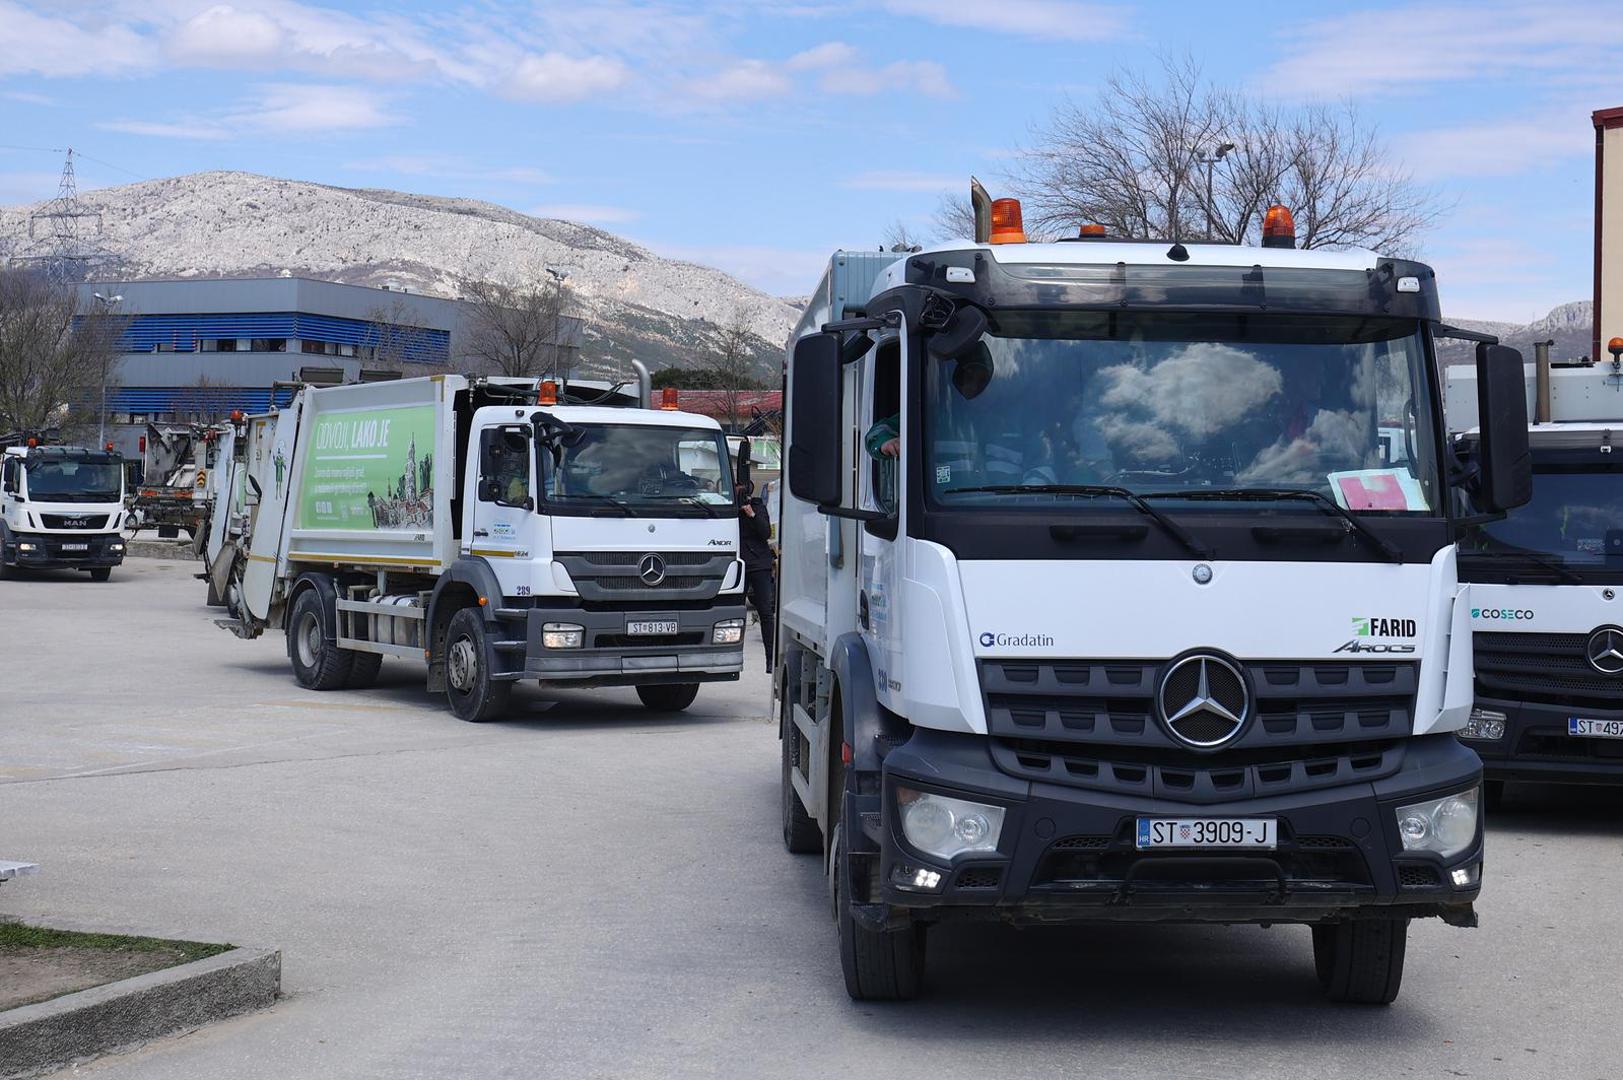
x=34, y=44
x=1387, y=51
x=1502, y=147
x=28, y=98
x=903, y=181
x=1063, y=20
x=224, y=36
x=745, y=80
x=918, y=76
x=279, y=109
x=553, y=76
x=829, y=54
x=588, y=213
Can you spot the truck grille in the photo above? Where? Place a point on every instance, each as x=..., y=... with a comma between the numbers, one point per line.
x=1113, y=702
x=74, y=521
x=1548, y=668
x=613, y=575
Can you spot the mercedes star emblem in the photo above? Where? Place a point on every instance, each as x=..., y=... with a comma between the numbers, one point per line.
x=1204, y=700
x=651, y=569
x=1605, y=650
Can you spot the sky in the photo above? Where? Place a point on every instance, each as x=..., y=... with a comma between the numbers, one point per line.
x=759, y=136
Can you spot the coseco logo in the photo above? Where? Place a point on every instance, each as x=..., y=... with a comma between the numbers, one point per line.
x=1518, y=614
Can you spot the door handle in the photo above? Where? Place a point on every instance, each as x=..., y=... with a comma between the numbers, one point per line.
x=480, y=532
x=862, y=609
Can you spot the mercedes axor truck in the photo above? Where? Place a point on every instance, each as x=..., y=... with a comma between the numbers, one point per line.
x=1104, y=599
x=481, y=526
x=61, y=507
x=1545, y=613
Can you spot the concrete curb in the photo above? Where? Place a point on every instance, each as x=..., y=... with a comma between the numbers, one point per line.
x=54, y=1033
x=159, y=549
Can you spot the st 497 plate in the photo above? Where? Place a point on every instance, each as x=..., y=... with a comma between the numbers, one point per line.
x=1255, y=834
x=651, y=626
x=1595, y=729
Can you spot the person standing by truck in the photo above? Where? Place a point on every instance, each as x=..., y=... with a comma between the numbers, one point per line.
x=754, y=541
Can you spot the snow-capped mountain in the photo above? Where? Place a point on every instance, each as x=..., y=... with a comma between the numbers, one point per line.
x=232, y=224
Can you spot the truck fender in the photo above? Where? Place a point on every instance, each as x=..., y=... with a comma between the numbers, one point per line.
x=322, y=584
x=864, y=723
x=462, y=585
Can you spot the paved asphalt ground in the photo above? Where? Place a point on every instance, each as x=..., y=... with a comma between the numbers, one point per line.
x=588, y=890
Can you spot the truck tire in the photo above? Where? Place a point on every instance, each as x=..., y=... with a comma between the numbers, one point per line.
x=473, y=695
x=801, y=836
x=100, y=573
x=363, y=670
x=879, y=965
x=668, y=697
x=318, y=663
x=1361, y=961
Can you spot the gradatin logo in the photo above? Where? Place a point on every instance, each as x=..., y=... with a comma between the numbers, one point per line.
x=1016, y=641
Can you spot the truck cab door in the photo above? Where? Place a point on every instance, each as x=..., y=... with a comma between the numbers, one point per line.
x=504, y=526
x=882, y=486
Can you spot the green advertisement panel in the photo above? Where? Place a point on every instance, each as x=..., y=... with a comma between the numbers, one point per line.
x=370, y=469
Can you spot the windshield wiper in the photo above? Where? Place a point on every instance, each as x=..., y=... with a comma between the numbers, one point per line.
x=692, y=500
x=1556, y=566
x=1132, y=498
x=620, y=504
x=1318, y=498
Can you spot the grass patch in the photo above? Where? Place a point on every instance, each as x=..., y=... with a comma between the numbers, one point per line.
x=17, y=936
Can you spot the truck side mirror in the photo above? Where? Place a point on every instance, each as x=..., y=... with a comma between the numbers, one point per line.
x=1507, y=461
x=814, y=420
x=742, y=467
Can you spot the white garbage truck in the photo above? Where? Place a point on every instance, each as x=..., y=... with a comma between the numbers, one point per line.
x=1104, y=599
x=61, y=507
x=480, y=526
x=1546, y=616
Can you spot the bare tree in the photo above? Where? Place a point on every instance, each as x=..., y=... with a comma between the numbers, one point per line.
x=392, y=338
x=54, y=354
x=898, y=237
x=954, y=218
x=521, y=331
x=730, y=367
x=1179, y=158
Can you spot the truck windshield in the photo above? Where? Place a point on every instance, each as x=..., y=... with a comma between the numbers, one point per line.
x=75, y=481
x=639, y=466
x=1576, y=517
x=1155, y=402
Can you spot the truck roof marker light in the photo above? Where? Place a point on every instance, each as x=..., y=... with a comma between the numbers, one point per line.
x=1092, y=231
x=1614, y=346
x=668, y=399
x=548, y=394
x=32, y=443
x=236, y=416
x=108, y=447
x=1278, y=227
x=1008, y=227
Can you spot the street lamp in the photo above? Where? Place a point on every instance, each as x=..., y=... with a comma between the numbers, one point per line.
x=1211, y=164
x=107, y=303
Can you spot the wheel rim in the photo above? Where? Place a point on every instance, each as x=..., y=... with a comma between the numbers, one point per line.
x=309, y=639
x=462, y=665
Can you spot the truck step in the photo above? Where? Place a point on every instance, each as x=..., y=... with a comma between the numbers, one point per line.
x=246, y=633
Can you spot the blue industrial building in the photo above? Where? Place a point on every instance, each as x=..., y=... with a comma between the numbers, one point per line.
x=196, y=350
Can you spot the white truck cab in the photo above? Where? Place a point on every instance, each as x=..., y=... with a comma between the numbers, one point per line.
x=61, y=507
x=1545, y=610
x=1118, y=583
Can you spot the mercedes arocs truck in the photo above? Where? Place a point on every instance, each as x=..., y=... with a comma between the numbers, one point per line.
x=60, y=507
x=1104, y=598
x=1546, y=616
x=481, y=526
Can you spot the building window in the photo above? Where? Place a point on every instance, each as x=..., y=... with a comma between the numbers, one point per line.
x=219, y=344
x=273, y=344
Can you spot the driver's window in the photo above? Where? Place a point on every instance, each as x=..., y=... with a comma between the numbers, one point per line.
x=8, y=475
x=883, y=440
x=505, y=477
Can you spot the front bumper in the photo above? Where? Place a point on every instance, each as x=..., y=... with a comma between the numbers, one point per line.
x=612, y=657
x=1537, y=748
x=58, y=551
x=1067, y=854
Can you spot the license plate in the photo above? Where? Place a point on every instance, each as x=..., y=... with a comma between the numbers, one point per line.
x=75, y=547
x=1258, y=834
x=651, y=626
x=1595, y=729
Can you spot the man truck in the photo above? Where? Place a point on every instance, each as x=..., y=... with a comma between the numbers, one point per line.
x=1103, y=600
x=60, y=507
x=481, y=526
x=1545, y=614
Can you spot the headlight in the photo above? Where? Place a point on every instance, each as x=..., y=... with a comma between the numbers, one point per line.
x=27, y=547
x=727, y=632
x=562, y=635
x=943, y=827
x=1446, y=826
x=115, y=547
x=1486, y=724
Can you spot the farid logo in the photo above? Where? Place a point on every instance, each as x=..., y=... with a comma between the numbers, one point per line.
x=1016, y=641
x=1373, y=626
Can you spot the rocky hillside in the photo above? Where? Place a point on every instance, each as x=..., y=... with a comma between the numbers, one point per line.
x=1568, y=325
x=232, y=224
